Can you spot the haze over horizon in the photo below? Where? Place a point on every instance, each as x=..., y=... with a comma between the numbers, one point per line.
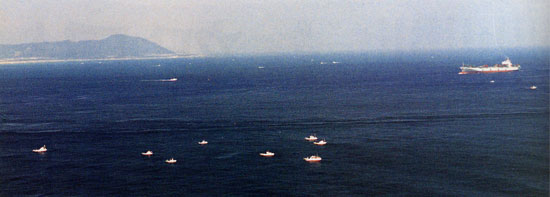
x=235, y=27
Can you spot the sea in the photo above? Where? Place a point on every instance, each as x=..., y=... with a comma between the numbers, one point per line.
x=397, y=123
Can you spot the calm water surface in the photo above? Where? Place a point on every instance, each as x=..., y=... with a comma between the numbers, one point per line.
x=394, y=126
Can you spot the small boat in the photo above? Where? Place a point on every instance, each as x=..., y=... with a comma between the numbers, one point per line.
x=267, y=154
x=40, y=150
x=171, y=160
x=173, y=79
x=313, y=158
x=311, y=138
x=203, y=142
x=148, y=153
x=533, y=87
x=492, y=81
x=320, y=143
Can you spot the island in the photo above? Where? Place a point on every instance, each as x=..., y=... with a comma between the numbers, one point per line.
x=114, y=47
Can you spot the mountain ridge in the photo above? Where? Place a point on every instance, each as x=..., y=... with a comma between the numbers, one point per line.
x=114, y=46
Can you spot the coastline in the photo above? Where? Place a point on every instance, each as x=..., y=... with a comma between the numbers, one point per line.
x=38, y=60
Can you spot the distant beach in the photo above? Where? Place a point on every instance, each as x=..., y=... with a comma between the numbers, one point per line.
x=38, y=60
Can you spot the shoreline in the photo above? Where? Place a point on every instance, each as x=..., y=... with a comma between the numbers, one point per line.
x=36, y=61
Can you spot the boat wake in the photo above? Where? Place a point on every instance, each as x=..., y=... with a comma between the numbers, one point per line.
x=163, y=80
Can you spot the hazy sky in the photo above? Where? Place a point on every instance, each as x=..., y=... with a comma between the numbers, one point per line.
x=263, y=26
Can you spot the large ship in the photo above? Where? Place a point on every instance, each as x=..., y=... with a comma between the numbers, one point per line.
x=505, y=66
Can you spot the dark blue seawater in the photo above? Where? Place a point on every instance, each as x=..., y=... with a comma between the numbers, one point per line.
x=397, y=124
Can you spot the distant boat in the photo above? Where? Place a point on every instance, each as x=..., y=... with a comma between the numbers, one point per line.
x=313, y=158
x=148, y=153
x=203, y=142
x=492, y=81
x=311, y=138
x=334, y=62
x=171, y=160
x=172, y=79
x=320, y=143
x=261, y=67
x=533, y=87
x=505, y=66
x=40, y=150
x=267, y=154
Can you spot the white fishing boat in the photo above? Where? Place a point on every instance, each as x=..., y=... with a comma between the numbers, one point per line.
x=40, y=150
x=148, y=153
x=311, y=138
x=171, y=160
x=313, y=158
x=267, y=154
x=320, y=143
x=533, y=87
x=203, y=142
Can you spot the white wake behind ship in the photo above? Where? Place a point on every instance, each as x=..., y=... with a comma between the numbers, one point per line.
x=505, y=66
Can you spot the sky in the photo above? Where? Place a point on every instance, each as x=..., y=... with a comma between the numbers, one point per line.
x=205, y=27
